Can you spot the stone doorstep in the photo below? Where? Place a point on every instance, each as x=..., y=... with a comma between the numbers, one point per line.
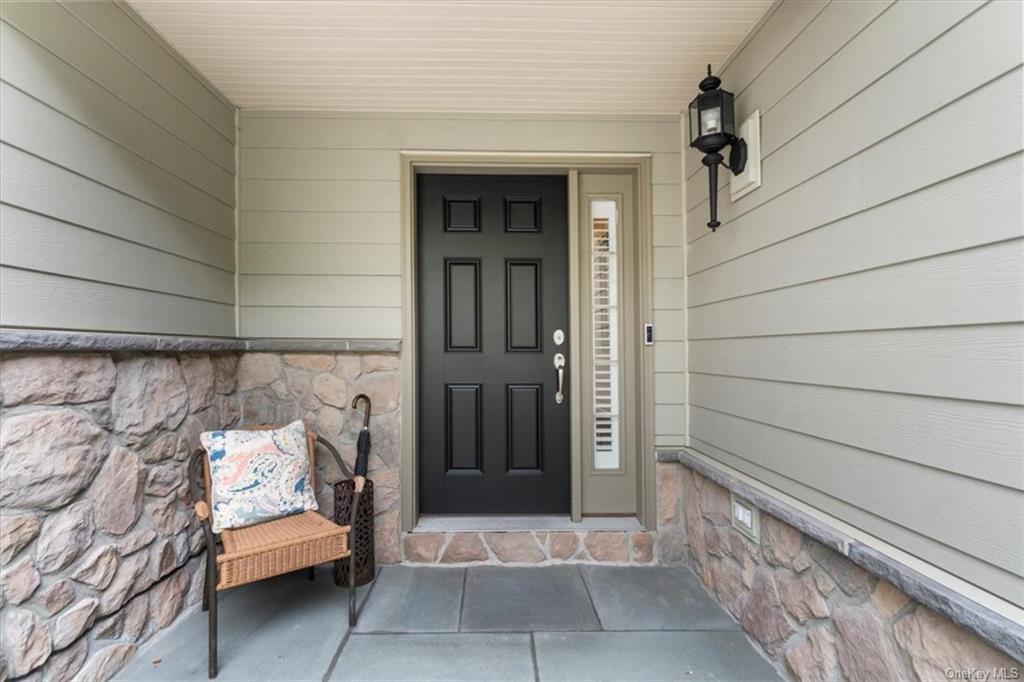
x=989, y=626
x=540, y=548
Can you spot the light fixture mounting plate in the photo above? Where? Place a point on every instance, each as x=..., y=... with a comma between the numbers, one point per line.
x=747, y=177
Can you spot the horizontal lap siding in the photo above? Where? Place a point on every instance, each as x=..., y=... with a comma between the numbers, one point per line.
x=117, y=178
x=669, y=266
x=320, y=220
x=854, y=326
x=908, y=540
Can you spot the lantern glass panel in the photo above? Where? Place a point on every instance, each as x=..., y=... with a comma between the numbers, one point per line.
x=728, y=113
x=710, y=120
x=694, y=120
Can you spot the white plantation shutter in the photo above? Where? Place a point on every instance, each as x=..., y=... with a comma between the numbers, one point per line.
x=604, y=269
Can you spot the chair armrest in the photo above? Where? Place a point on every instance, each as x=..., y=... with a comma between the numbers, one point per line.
x=196, y=484
x=345, y=469
x=196, y=480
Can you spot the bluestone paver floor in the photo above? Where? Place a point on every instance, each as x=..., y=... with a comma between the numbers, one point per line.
x=652, y=598
x=415, y=657
x=666, y=655
x=285, y=628
x=408, y=599
x=501, y=599
x=477, y=623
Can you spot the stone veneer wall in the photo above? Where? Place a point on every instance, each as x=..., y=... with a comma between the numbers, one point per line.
x=98, y=544
x=318, y=388
x=816, y=614
x=99, y=547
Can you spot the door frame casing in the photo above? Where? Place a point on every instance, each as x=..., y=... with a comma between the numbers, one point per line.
x=570, y=165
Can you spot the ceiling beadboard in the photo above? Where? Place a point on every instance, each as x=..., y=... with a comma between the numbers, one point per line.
x=527, y=56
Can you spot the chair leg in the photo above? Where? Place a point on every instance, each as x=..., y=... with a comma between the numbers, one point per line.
x=312, y=573
x=211, y=596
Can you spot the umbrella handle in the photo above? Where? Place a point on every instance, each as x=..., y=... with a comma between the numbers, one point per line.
x=366, y=416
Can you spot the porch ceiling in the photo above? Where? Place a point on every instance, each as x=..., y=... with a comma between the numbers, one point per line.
x=528, y=56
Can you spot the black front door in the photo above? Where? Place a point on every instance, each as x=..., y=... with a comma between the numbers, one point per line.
x=493, y=289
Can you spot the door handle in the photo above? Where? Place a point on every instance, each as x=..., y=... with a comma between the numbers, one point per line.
x=560, y=372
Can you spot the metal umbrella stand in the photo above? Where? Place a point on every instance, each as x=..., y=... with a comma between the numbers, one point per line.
x=360, y=489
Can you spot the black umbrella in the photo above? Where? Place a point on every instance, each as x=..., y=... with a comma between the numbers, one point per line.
x=363, y=445
x=358, y=482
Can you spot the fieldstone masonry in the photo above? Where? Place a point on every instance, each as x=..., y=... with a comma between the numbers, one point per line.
x=100, y=549
x=816, y=614
x=276, y=388
x=98, y=544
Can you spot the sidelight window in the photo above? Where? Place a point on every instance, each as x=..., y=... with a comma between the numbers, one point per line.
x=604, y=268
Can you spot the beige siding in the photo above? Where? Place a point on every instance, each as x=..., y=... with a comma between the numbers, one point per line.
x=117, y=177
x=320, y=250
x=855, y=334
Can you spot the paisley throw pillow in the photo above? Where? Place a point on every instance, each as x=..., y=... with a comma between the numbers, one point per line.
x=258, y=475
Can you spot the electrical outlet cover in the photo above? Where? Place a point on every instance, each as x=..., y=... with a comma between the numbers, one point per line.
x=745, y=517
x=750, y=179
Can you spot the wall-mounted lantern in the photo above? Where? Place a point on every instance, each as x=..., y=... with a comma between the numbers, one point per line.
x=713, y=127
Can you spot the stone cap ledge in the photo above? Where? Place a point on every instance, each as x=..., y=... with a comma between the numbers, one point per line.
x=994, y=628
x=41, y=340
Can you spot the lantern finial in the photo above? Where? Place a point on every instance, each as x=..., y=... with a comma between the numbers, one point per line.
x=709, y=82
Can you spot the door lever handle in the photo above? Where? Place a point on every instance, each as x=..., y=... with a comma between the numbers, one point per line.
x=560, y=372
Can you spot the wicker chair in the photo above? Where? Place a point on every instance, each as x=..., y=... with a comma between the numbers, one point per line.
x=271, y=548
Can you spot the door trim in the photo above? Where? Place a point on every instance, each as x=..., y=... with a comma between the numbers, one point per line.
x=569, y=165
